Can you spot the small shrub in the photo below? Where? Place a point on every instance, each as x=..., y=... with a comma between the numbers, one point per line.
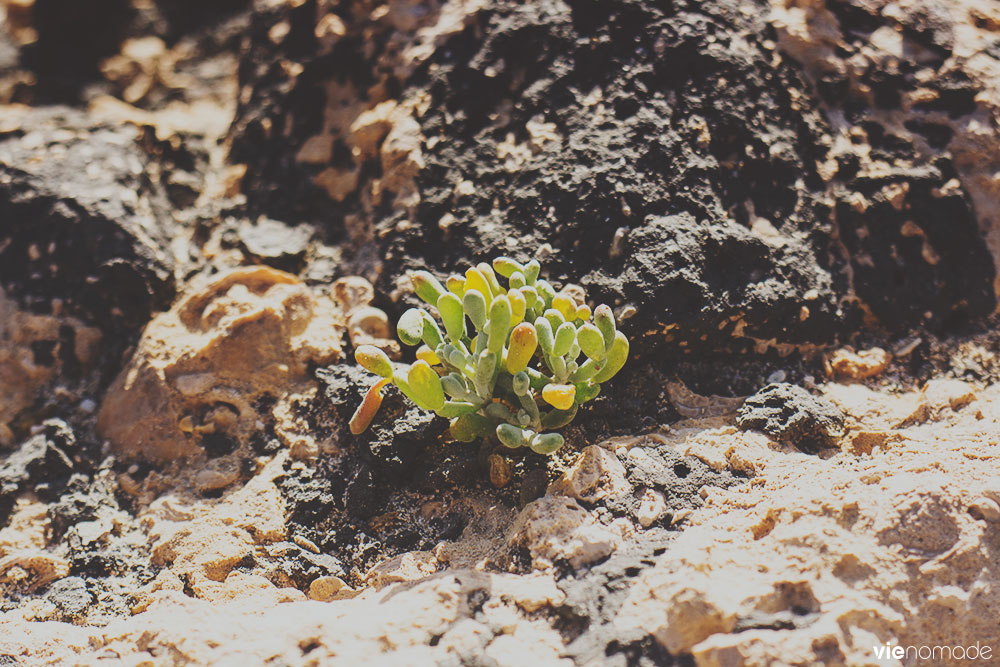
x=503, y=361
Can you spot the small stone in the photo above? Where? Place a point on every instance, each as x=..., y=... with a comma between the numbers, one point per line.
x=863, y=442
x=325, y=589
x=499, y=471
x=556, y=528
x=846, y=364
x=792, y=415
x=70, y=594
x=596, y=475
x=652, y=506
x=940, y=395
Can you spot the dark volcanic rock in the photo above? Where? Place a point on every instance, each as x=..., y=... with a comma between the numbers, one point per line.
x=644, y=177
x=792, y=415
x=83, y=220
x=73, y=38
x=40, y=464
x=664, y=152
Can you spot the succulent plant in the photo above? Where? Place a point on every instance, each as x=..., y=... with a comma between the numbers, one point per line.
x=516, y=372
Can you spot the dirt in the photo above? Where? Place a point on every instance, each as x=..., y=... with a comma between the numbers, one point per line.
x=790, y=206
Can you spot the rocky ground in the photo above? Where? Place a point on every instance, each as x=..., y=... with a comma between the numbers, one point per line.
x=791, y=205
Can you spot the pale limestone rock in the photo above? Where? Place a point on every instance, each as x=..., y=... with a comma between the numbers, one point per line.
x=652, y=506
x=200, y=367
x=411, y=566
x=596, y=475
x=944, y=394
x=885, y=548
x=558, y=528
x=530, y=592
x=324, y=589
x=847, y=364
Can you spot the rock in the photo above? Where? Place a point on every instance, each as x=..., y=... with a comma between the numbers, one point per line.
x=275, y=243
x=652, y=506
x=846, y=364
x=34, y=351
x=555, y=529
x=942, y=394
x=596, y=475
x=919, y=121
x=411, y=566
x=792, y=415
x=675, y=245
x=85, y=219
x=70, y=595
x=40, y=464
x=325, y=589
x=499, y=471
x=986, y=509
x=201, y=368
x=896, y=508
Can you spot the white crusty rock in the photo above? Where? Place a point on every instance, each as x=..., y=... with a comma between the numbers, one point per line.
x=557, y=528
x=596, y=475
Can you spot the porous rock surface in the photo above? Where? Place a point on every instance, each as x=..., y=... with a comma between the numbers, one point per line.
x=791, y=201
x=201, y=367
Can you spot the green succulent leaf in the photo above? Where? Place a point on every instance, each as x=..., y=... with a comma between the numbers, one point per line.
x=521, y=384
x=431, y=334
x=475, y=280
x=410, y=328
x=455, y=386
x=491, y=278
x=545, y=337
x=565, y=335
x=514, y=436
x=453, y=315
x=531, y=270
x=506, y=266
x=604, y=319
x=545, y=291
x=399, y=379
x=591, y=341
x=452, y=409
x=585, y=371
x=555, y=318
x=455, y=285
x=500, y=314
x=530, y=297
x=558, y=418
x=518, y=306
x=523, y=342
x=586, y=392
x=616, y=358
x=475, y=307
x=426, y=385
x=485, y=367
x=427, y=287
x=373, y=359
x=471, y=426
x=546, y=443
x=500, y=412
